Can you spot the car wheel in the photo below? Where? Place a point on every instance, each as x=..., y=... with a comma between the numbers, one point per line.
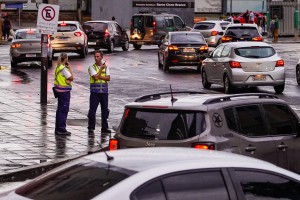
x=279, y=88
x=82, y=53
x=137, y=46
x=86, y=50
x=49, y=63
x=166, y=66
x=228, y=88
x=111, y=47
x=126, y=46
x=13, y=64
x=159, y=64
x=298, y=74
x=198, y=70
x=205, y=82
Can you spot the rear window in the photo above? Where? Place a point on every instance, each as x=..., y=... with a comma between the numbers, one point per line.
x=204, y=26
x=66, y=27
x=163, y=124
x=169, y=22
x=187, y=37
x=224, y=25
x=83, y=180
x=148, y=21
x=28, y=35
x=137, y=21
x=255, y=52
x=242, y=32
x=95, y=27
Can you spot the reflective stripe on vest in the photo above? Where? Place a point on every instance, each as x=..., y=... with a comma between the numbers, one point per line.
x=98, y=86
x=60, y=81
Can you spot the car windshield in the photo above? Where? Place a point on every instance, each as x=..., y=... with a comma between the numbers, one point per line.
x=162, y=124
x=242, y=32
x=204, y=26
x=255, y=52
x=63, y=27
x=83, y=180
x=30, y=34
x=187, y=38
x=95, y=27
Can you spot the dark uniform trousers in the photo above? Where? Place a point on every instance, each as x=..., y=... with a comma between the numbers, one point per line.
x=95, y=99
x=62, y=110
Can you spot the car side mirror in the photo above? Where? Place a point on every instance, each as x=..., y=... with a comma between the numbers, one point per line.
x=298, y=129
x=221, y=33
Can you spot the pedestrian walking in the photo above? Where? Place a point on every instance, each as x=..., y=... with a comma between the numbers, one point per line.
x=251, y=17
x=276, y=29
x=246, y=16
x=264, y=22
x=113, y=18
x=99, y=78
x=272, y=26
x=62, y=91
x=6, y=27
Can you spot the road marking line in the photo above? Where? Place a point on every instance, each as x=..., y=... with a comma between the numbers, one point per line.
x=120, y=69
x=121, y=100
x=155, y=79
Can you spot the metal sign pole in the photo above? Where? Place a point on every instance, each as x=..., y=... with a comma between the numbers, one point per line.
x=44, y=69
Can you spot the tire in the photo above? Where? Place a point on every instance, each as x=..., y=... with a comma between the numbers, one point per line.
x=166, y=66
x=82, y=53
x=126, y=46
x=159, y=64
x=13, y=64
x=228, y=88
x=137, y=46
x=86, y=50
x=198, y=70
x=279, y=88
x=205, y=82
x=298, y=74
x=111, y=47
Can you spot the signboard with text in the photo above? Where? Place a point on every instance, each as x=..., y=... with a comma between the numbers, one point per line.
x=158, y=4
x=48, y=18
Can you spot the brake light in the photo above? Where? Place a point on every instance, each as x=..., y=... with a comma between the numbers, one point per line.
x=226, y=39
x=154, y=27
x=257, y=39
x=214, y=33
x=279, y=63
x=126, y=112
x=173, y=48
x=106, y=33
x=113, y=144
x=234, y=64
x=204, y=48
x=16, y=45
x=78, y=34
x=63, y=24
x=204, y=146
x=30, y=32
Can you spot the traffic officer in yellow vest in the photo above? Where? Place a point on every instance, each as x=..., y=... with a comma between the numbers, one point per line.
x=99, y=77
x=62, y=90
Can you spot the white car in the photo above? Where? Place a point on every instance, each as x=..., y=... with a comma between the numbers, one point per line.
x=161, y=174
x=239, y=64
x=70, y=37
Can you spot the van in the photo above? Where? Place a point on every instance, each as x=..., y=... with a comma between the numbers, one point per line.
x=150, y=28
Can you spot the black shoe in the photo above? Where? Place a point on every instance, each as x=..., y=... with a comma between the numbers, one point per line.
x=105, y=131
x=62, y=133
x=90, y=131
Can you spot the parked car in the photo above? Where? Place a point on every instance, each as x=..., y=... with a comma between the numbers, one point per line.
x=182, y=48
x=70, y=37
x=298, y=72
x=149, y=28
x=240, y=18
x=163, y=173
x=26, y=47
x=241, y=32
x=212, y=30
x=106, y=34
x=255, y=125
x=240, y=64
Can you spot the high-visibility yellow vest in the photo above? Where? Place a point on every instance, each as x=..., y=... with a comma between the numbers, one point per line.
x=60, y=81
x=98, y=86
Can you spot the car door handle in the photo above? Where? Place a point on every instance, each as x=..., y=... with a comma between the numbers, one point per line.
x=282, y=147
x=250, y=148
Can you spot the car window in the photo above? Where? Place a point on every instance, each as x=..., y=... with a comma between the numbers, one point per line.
x=149, y=21
x=178, y=22
x=266, y=186
x=95, y=26
x=169, y=22
x=255, y=52
x=187, y=38
x=159, y=22
x=162, y=124
x=242, y=32
x=64, y=27
x=151, y=191
x=230, y=119
x=217, y=52
x=280, y=119
x=225, y=51
x=30, y=34
x=204, y=26
x=83, y=180
x=197, y=185
x=250, y=121
x=224, y=25
x=137, y=21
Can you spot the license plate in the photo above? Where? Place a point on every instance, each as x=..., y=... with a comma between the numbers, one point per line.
x=140, y=43
x=259, y=78
x=92, y=43
x=63, y=38
x=188, y=50
x=30, y=55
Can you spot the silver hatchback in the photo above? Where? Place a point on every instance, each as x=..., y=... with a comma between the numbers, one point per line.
x=239, y=64
x=211, y=30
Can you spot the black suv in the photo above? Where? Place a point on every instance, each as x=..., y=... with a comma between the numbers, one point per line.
x=106, y=35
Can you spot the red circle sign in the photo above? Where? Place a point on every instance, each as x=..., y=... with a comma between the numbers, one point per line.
x=48, y=13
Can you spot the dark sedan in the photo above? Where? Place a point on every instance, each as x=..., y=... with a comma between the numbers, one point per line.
x=182, y=48
x=106, y=35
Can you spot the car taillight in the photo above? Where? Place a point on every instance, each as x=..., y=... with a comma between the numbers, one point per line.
x=257, y=39
x=78, y=34
x=204, y=48
x=113, y=144
x=131, y=28
x=173, y=48
x=226, y=39
x=214, y=33
x=106, y=33
x=234, y=64
x=154, y=27
x=16, y=45
x=63, y=24
x=204, y=146
x=126, y=112
x=279, y=63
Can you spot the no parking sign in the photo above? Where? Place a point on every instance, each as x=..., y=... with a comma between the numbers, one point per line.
x=48, y=18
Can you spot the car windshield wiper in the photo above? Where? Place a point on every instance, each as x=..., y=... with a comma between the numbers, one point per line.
x=252, y=56
x=147, y=136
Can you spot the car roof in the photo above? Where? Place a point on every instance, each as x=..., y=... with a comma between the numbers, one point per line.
x=242, y=25
x=247, y=44
x=183, y=32
x=68, y=22
x=100, y=21
x=214, y=21
x=26, y=29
